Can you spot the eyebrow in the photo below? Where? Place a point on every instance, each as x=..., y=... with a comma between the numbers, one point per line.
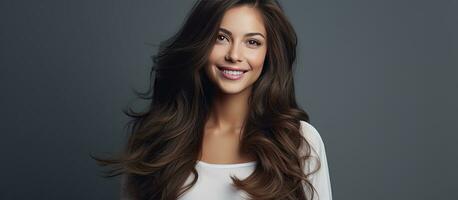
x=248, y=34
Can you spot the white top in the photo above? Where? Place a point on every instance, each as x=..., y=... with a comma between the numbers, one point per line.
x=214, y=180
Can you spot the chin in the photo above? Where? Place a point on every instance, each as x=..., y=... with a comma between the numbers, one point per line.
x=234, y=89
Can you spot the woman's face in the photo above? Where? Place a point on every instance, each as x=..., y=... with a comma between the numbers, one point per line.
x=240, y=45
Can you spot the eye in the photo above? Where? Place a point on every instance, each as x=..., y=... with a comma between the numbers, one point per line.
x=220, y=37
x=254, y=42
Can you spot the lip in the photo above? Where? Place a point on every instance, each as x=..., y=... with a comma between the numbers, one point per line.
x=231, y=76
x=222, y=67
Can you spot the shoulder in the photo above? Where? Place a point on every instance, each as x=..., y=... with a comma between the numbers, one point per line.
x=311, y=134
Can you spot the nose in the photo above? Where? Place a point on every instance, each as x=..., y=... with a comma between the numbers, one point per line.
x=234, y=54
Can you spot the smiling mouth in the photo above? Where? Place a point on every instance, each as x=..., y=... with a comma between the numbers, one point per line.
x=231, y=74
x=229, y=69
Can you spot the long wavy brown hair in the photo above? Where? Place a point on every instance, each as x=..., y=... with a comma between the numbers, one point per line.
x=166, y=138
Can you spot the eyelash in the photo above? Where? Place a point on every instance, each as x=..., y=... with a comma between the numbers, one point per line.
x=257, y=43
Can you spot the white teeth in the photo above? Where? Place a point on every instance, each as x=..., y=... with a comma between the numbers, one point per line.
x=232, y=72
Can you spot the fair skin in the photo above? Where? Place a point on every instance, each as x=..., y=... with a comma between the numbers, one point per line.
x=241, y=43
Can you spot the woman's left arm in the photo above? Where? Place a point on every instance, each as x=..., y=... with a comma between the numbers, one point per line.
x=320, y=179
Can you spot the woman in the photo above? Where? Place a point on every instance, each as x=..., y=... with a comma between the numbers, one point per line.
x=223, y=122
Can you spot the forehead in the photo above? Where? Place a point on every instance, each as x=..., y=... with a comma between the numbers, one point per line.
x=243, y=19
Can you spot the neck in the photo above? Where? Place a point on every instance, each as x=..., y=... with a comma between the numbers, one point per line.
x=228, y=111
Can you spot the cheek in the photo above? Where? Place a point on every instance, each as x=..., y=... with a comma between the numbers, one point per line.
x=217, y=53
x=256, y=59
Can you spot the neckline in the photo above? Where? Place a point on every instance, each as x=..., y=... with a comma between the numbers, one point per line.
x=231, y=165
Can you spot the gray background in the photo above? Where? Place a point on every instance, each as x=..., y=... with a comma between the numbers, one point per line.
x=378, y=78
